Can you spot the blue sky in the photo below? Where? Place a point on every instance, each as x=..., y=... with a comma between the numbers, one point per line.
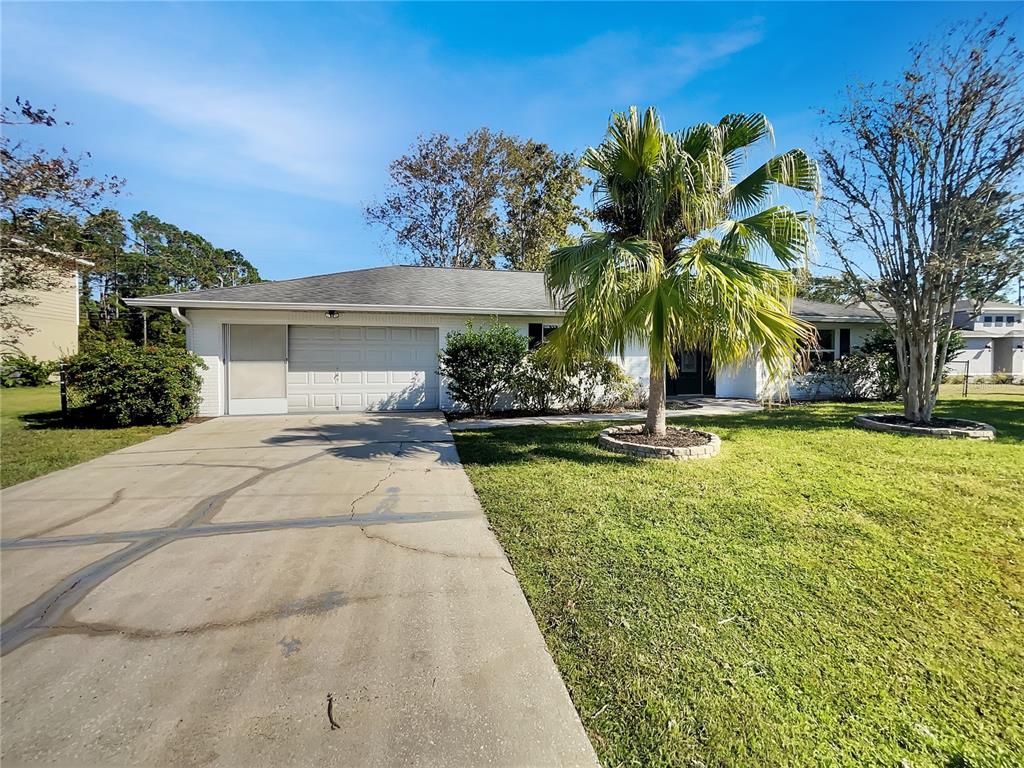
x=266, y=127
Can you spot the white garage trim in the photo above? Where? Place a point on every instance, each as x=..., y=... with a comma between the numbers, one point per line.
x=361, y=368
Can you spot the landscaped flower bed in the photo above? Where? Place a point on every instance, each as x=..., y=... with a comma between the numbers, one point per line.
x=676, y=443
x=946, y=428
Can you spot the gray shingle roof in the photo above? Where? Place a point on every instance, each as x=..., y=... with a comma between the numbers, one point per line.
x=968, y=306
x=395, y=286
x=423, y=288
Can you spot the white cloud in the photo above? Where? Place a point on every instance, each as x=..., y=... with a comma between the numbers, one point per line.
x=327, y=129
x=629, y=67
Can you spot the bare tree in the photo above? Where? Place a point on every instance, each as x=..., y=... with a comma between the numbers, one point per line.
x=923, y=174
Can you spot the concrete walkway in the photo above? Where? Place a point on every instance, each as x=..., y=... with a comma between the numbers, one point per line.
x=195, y=599
x=709, y=406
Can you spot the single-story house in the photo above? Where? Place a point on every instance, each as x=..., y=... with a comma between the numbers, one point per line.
x=993, y=340
x=368, y=339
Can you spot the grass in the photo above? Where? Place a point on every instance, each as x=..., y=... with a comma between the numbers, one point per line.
x=34, y=441
x=817, y=595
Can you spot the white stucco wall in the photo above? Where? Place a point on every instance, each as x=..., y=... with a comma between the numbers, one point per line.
x=974, y=359
x=205, y=337
x=751, y=381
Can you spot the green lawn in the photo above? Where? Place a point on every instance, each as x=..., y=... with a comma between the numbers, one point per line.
x=816, y=595
x=33, y=440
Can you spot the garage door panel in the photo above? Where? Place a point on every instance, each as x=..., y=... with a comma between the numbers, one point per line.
x=350, y=368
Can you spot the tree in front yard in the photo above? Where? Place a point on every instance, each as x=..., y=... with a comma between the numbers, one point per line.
x=676, y=266
x=924, y=180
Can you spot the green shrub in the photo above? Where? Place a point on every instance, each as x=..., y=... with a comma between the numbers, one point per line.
x=953, y=378
x=537, y=384
x=123, y=384
x=18, y=370
x=479, y=364
x=871, y=371
x=595, y=379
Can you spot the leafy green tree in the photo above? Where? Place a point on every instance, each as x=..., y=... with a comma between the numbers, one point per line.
x=675, y=265
x=484, y=201
x=167, y=259
x=538, y=187
x=832, y=290
x=142, y=257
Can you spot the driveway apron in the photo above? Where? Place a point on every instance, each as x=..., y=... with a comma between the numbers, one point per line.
x=283, y=590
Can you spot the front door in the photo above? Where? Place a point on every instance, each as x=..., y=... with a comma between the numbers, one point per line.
x=693, y=375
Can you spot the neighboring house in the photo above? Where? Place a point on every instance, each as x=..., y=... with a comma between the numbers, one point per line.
x=52, y=315
x=369, y=339
x=993, y=340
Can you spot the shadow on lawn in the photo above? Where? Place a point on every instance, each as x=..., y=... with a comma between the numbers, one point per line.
x=78, y=418
x=577, y=442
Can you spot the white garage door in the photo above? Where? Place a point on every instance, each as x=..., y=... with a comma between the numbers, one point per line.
x=339, y=368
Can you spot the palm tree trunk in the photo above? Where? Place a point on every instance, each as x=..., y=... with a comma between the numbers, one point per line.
x=656, y=401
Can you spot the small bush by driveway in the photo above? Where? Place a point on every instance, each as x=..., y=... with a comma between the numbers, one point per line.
x=817, y=595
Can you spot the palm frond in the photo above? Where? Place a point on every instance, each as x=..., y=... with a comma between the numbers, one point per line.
x=785, y=232
x=794, y=169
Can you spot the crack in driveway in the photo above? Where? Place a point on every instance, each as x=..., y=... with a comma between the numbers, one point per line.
x=388, y=472
x=319, y=604
x=118, y=494
x=48, y=613
x=426, y=551
x=30, y=621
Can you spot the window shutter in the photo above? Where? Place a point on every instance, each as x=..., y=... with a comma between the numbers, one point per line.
x=844, y=342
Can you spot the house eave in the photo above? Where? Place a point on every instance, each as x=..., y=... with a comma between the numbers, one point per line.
x=184, y=303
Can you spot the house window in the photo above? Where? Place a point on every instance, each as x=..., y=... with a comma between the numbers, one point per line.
x=999, y=319
x=825, y=352
x=538, y=332
x=988, y=319
x=844, y=342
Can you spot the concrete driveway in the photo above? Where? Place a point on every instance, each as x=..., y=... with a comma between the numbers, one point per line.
x=195, y=599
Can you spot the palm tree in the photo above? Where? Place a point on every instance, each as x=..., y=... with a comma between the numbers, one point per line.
x=674, y=267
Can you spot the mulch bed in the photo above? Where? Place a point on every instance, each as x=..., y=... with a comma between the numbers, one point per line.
x=674, y=437
x=895, y=418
